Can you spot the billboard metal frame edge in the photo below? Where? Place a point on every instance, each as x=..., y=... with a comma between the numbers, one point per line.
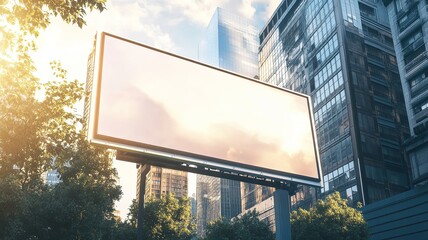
x=176, y=155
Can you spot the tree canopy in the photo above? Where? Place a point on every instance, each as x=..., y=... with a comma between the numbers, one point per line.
x=247, y=227
x=168, y=218
x=40, y=131
x=329, y=219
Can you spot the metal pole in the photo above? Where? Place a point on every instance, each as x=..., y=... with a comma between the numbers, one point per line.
x=140, y=221
x=281, y=200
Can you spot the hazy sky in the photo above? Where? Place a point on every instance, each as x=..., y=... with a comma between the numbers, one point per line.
x=171, y=25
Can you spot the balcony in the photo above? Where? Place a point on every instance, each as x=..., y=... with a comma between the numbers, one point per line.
x=377, y=60
x=413, y=47
x=405, y=10
x=422, y=126
x=411, y=17
x=421, y=98
x=419, y=60
x=420, y=87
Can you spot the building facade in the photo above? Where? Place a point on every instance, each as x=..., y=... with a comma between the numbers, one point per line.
x=161, y=181
x=409, y=27
x=341, y=54
x=229, y=42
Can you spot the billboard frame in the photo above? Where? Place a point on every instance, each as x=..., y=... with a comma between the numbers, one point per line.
x=164, y=157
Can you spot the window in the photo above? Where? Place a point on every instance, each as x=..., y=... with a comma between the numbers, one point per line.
x=380, y=90
x=419, y=162
x=330, y=87
x=367, y=11
x=418, y=79
x=391, y=155
x=375, y=173
x=421, y=106
x=327, y=71
x=369, y=145
x=366, y=123
x=397, y=178
x=413, y=37
x=352, y=193
x=338, y=177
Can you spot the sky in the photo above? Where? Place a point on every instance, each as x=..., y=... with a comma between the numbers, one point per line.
x=171, y=25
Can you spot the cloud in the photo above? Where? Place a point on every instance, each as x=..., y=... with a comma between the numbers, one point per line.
x=200, y=11
x=245, y=8
x=271, y=6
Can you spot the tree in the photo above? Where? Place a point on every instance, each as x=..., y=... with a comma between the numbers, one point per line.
x=132, y=216
x=329, y=219
x=34, y=130
x=40, y=131
x=168, y=218
x=247, y=227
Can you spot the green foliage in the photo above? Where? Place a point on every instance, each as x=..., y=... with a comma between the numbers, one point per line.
x=329, y=219
x=248, y=227
x=33, y=15
x=80, y=207
x=39, y=131
x=132, y=216
x=124, y=230
x=168, y=218
x=33, y=130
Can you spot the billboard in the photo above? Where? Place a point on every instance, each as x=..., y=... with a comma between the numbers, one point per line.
x=157, y=104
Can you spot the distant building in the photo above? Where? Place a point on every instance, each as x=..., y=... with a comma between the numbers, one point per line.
x=163, y=181
x=52, y=177
x=341, y=54
x=264, y=207
x=409, y=29
x=193, y=205
x=229, y=42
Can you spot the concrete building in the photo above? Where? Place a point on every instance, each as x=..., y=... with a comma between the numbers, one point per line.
x=341, y=54
x=404, y=216
x=229, y=42
x=409, y=27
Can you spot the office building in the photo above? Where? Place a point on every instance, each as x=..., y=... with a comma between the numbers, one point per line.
x=161, y=181
x=341, y=54
x=409, y=27
x=229, y=42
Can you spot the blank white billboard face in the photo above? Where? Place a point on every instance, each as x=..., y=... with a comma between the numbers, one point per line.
x=149, y=99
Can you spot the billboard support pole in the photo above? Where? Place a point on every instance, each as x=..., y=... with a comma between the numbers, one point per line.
x=142, y=190
x=281, y=198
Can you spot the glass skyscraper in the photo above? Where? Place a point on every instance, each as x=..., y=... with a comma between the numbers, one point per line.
x=341, y=54
x=410, y=34
x=229, y=42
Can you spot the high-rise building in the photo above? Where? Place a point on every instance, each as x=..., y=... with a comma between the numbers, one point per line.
x=162, y=181
x=229, y=42
x=409, y=27
x=259, y=198
x=340, y=52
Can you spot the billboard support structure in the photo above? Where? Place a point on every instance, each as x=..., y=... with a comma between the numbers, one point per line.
x=140, y=221
x=169, y=111
x=281, y=198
